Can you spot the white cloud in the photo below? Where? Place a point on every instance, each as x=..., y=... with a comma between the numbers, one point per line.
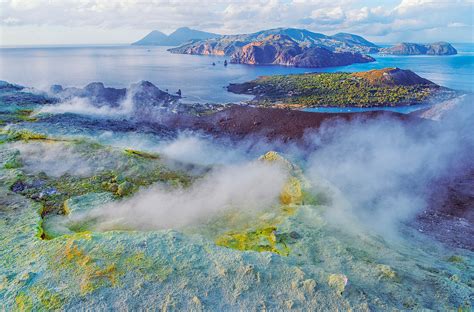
x=10, y=21
x=364, y=17
x=328, y=16
x=407, y=5
x=25, y=4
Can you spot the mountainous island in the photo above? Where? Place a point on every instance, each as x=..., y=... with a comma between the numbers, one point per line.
x=436, y=48
x=384, y=87
x=286, y=47
x=178, y=37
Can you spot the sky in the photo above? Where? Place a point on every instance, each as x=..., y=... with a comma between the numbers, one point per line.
x=56, y=22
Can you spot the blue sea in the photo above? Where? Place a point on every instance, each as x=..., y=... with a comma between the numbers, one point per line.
x=199, y=80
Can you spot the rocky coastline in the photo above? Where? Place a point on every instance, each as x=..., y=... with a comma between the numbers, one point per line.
x=302, y=48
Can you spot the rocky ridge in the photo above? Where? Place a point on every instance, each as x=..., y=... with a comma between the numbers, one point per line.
x=406, y=48
x=303, y=48
x=282, y=50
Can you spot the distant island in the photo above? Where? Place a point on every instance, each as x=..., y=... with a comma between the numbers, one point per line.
x=380, y=87
x=405, y=48
x=287, y=47
x=178, y=37
x=282, y=50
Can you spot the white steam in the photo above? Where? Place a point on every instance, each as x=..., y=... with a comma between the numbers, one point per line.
x=84, y=106
x=190, y=148
x=245, y=187
x=377, y=172
x=383, y=168
x=53, y=159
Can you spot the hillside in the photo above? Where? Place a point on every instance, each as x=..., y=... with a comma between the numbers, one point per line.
x=285, y=46
x=178, y=37
x=229, y=44
x=384, y=87
x=354, y=40
x=405, y=48
x=282, y=50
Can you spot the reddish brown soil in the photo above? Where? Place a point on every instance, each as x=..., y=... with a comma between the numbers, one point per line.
x=270, y=123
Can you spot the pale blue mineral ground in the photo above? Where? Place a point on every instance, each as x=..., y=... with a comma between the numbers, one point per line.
x=56, y=170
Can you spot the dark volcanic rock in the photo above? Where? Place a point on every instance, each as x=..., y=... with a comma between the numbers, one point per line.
x=142, y=97
x=405, y=48
x=146, y=94
x=268, y=123
x=7, y=87
x=149, y=102
x=449, y=216
x=63, y=122
x=55, y=89
x=95, y=92
x=13, y=94
x=98, y=93
x=18, y=187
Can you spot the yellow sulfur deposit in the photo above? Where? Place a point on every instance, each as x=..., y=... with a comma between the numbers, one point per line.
x=265, y=236
x=291, y=193
x=337, y=282
x=264, y=239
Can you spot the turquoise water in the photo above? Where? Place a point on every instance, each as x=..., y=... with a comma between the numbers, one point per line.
x=199, y=80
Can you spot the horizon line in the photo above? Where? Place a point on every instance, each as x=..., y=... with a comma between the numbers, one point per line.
x=71, y=45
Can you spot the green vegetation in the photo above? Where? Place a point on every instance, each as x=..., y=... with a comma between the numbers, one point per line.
x=330, y=89
x=136, y=153
x=17, y=116
x=455, y=259
x=13, y=162
x=24, y=302
x=22, y=135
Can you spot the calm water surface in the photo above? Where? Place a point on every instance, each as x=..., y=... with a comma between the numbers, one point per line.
x=199, y=80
